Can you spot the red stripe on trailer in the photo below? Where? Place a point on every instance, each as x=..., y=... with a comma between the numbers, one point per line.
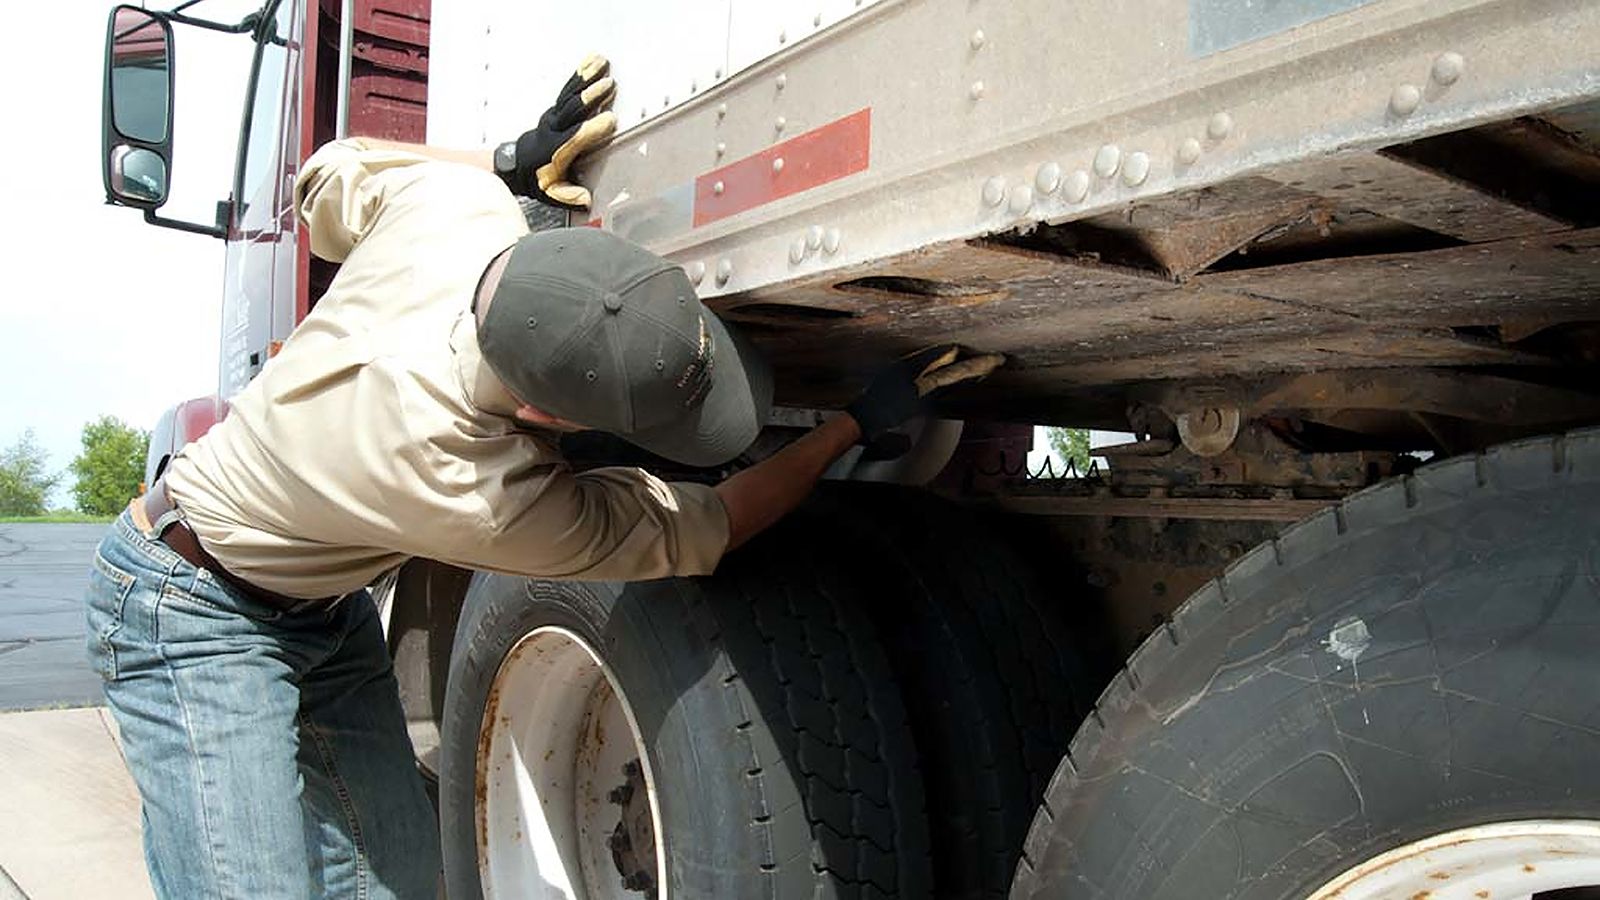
x=809, y=160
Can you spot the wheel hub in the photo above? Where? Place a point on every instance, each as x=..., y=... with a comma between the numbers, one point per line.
x=633, y=841
x=553, y=819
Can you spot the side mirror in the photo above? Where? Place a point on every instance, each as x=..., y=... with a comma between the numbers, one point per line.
x=136, y=134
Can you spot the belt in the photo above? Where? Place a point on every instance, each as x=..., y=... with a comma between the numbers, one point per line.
x=177, y=534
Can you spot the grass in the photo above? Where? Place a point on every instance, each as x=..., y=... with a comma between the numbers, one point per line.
x=57, y=517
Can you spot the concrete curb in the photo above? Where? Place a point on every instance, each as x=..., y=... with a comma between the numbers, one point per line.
x=63, y=782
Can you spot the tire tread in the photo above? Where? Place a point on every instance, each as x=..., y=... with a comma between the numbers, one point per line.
x=846, y=731
x=1519, y=465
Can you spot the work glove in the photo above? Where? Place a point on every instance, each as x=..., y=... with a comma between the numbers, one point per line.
x=579, y=121
x=904, y=390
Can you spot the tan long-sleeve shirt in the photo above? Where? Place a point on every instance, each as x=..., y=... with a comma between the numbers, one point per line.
x=378, y=433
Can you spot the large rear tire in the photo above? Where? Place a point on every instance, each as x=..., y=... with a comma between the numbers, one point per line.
x=989, y=655
x=1419, y=660
x=772, y=743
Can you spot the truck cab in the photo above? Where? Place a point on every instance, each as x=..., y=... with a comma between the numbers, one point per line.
x=270, y=280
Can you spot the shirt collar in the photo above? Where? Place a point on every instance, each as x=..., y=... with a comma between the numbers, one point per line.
x=483, y=388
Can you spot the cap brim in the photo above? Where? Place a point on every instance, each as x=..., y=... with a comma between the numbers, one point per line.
x=734, y=411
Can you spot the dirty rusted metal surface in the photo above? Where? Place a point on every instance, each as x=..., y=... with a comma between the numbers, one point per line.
x=1417, y=195
x=1139, y=569
x=1055, y=311
x=1260, y=455
x=1471, y=395
x=1161, y=292
x=1179, y=236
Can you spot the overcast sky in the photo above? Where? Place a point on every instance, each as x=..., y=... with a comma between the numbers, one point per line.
x=105, y=314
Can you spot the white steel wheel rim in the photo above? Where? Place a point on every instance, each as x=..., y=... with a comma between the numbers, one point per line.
x=1504, y=861
x=557, y=732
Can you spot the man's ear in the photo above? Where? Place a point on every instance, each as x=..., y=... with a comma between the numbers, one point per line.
x=533, y=415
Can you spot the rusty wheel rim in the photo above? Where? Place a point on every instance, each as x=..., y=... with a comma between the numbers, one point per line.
x=565, y=798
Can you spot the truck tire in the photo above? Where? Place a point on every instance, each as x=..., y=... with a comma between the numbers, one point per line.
x=770, y=747
x=1403, y=677
x=990, y=669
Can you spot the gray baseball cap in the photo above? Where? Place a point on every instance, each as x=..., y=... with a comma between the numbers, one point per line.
x=602, y=332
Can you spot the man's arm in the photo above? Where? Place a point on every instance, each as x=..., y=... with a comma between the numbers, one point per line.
x=767, y=491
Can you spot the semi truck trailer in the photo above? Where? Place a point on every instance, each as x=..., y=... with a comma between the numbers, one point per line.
x=1322, y=626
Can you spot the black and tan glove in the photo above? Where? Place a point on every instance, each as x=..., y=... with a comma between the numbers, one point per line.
x=904, y=390
x=538, y=164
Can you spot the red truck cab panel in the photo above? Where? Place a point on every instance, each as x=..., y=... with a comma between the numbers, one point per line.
x=388, y=94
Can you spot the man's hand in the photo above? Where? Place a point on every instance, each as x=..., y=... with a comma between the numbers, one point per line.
x=902, y=391
x=766, y=492
x=579, y=121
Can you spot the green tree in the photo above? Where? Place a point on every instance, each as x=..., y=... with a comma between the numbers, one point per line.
x=1071, y=445
x=25, y=485
x=110, y=467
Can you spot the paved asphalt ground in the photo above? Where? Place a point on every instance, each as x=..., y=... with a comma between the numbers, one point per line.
x=69, y=814
x=43, y=571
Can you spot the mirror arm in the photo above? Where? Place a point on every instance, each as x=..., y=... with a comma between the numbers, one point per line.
x=218, y=230
x=248, y=23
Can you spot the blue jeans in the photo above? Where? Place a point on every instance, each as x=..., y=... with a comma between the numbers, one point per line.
x=270, y=749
